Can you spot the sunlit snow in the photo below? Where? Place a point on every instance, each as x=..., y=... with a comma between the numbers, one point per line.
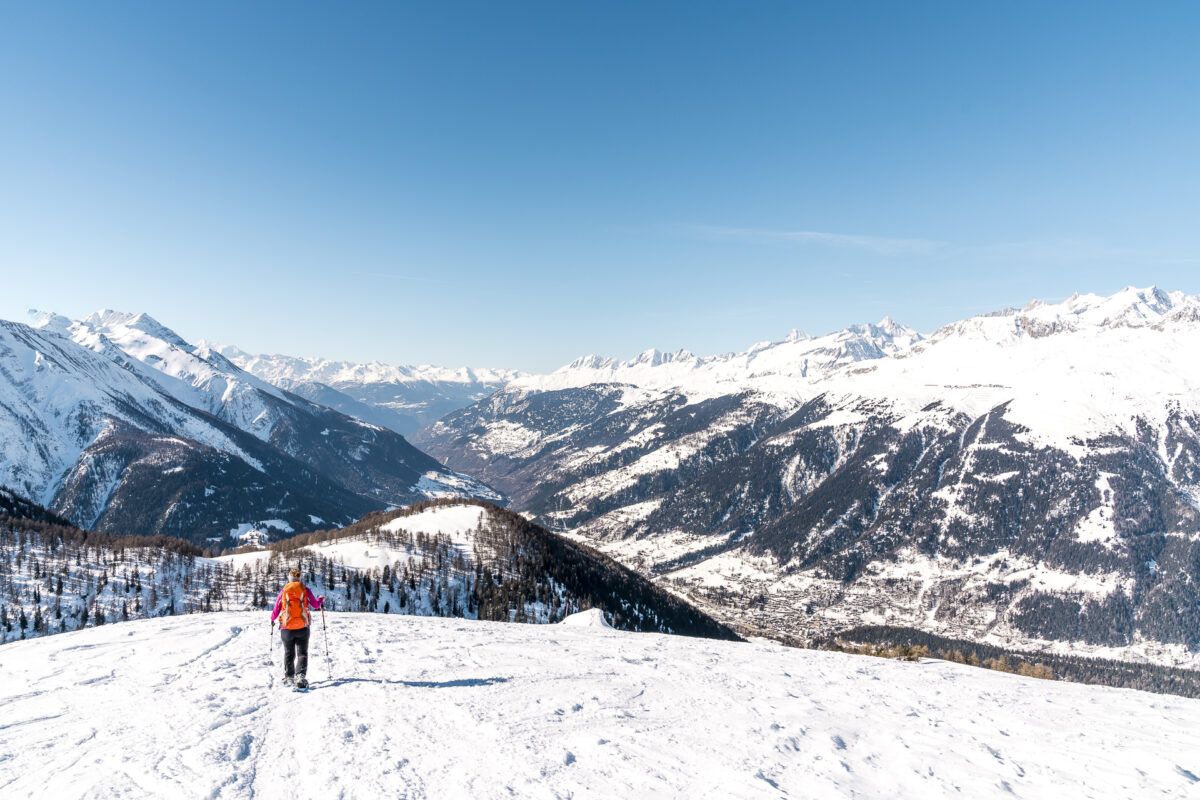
x=191, y=707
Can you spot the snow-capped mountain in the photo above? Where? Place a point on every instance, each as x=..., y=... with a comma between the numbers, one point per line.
x=1028, y=477
x=118, y=424
x=799, y=356
x=598, y=414
x=444, y=708
x=402, y=398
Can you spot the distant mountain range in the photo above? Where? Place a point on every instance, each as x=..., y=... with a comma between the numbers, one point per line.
x=117, y=424
x=400, y=398
x=1029, y=477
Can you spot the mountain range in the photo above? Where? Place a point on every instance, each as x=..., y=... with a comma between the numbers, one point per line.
x=402, y=398
x=1029, y=477
x=117, y=424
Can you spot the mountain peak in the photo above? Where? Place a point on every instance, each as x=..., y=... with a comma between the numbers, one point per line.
x=652, y=357
x=890, y=326
x=48, y=320
x=107, y=319
x=590, y=361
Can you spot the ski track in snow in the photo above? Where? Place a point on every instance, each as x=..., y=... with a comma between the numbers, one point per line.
x=438, y=708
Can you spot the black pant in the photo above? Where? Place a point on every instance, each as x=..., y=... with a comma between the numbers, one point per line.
x=294, y=640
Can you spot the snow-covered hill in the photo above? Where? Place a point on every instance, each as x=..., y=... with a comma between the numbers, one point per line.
x=402, y=398
x=118, y=424
x=435, y=708
x=451, y=558
x=1029, y=478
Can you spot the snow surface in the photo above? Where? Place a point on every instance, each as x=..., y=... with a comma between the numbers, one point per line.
x=436, y=708
x=458, y=523
x=371, y=551
x=592, y=618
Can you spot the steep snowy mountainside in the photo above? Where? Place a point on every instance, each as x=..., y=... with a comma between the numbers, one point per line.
x=62, y=403
x=402, y=398
x=432, y=708
x=117, y=423
x=193, y=375
x=1030, y=478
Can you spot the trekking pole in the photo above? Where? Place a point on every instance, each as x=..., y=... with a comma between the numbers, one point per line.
x=325, y=634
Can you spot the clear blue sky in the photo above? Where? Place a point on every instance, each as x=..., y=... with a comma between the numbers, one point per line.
x=516, y=184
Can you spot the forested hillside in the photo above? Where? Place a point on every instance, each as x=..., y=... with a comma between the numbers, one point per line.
x=422, y=560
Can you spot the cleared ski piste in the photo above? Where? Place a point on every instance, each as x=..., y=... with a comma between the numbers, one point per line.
x=191, y=707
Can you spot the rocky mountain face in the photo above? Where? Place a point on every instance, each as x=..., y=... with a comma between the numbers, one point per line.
x=1029, y=478
x=402, y=399
x=117, y=424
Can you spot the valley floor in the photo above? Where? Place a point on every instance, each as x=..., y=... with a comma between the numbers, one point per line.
x=414, y=707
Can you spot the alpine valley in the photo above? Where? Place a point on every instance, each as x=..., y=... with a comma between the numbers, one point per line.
x=1028, y=478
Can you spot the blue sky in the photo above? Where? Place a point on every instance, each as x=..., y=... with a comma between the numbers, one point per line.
x=516, y=184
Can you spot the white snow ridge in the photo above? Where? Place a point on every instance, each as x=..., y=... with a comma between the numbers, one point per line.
x=409, y=707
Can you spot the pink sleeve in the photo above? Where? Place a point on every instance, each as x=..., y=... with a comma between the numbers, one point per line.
x=313, y=602
x=278, y=607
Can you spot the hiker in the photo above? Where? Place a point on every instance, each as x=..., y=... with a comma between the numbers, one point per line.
x=291, y=609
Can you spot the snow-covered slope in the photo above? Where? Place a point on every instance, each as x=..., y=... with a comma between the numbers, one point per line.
x=1030, y=477
x=117, y=423
x=1088, y=367
x=402, y=398
x=194, y=375
x=436, y=708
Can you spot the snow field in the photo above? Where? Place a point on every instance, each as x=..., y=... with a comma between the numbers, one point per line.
x=436, y=708
x=457, y=522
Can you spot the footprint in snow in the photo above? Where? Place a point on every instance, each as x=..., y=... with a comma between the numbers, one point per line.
x=243, y=747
